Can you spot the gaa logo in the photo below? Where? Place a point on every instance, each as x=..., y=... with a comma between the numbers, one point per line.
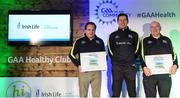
x=18, y=89
x=106, y=12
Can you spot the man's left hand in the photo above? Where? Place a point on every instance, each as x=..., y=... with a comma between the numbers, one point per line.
x=173, y=69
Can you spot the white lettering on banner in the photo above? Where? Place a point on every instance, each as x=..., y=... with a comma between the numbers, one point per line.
x=39, y=59
x=15, y=59
x=62, y=59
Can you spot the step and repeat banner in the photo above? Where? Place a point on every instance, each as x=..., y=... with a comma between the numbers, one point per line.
x=141, y=13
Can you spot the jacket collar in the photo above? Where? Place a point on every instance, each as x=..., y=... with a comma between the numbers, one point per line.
x=121, y=30
x=155, y=38
x=88, y=38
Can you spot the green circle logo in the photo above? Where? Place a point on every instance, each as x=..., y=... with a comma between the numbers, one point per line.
x=18, y=89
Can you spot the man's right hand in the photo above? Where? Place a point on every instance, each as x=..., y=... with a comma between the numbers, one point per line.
x=79, y=68
x=147, y=71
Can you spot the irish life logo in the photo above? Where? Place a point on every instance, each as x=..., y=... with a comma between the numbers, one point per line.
x=19, y=89
x=106, y=11
x=18, y=25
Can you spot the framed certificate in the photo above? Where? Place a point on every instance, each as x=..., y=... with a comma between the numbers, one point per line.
x=159, y=64
x=93, y=61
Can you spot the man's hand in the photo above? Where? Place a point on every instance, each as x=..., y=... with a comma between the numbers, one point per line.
x=173, y=69
x=79, y=68
x=147, y=71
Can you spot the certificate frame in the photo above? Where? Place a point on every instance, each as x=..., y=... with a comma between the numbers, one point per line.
x=93, y=61
x=159, y=64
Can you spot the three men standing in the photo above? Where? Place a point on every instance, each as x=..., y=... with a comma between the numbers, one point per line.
x=124, y=48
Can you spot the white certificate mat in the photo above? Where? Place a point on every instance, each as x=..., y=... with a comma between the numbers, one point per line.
x=93, y=61
x=159, y=64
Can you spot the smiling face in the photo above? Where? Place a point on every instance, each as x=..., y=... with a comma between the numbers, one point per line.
x=155, y=29
x=90, y=31
x=122, y=22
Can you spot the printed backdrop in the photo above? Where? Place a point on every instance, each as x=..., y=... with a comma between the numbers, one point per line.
x=141, y=13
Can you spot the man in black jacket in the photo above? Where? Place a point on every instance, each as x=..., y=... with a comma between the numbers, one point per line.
x=89, y=43
x=157, y=44
x=123, y=48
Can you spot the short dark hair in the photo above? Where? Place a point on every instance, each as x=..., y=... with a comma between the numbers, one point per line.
x=122, y=14
x=90, y=23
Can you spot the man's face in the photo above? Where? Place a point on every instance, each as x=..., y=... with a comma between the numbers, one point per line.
x=155, y=28
x=122, y=22
x=90, y=31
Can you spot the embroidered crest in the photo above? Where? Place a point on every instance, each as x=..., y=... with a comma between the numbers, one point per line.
x=130, y=36
x=117, y=36
x=83, y=42
x=97, y=41
x=164, y=41
x=149, y=42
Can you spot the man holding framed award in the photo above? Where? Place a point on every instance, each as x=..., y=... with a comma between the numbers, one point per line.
x=88, y=54
x=158, y=62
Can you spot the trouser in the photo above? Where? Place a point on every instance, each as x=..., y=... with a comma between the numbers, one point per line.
x=127, y=73
x=160, y=82
x=87, y=78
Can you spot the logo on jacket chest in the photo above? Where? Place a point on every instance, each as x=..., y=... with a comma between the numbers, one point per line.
x=149, y=42
x=164, y=41
x=129, y=36
x=83, y=42
x=123, y=43
x=97, y=42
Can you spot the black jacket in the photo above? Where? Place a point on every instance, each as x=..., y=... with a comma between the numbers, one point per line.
x=84, y=45
x=123, y=47
x=152, y=46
